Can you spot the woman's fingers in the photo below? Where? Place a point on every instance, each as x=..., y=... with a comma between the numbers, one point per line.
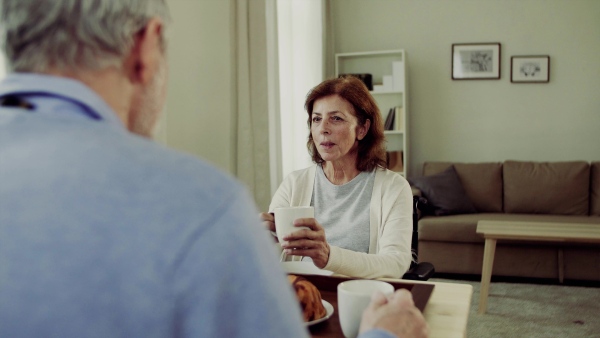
x=309, y=242
x=304, y=239
x=310, y=223
x=265, y=216
x=302, y=244
x=314, y=232
x=319, y=256
x=318, y=251
x=268, y=220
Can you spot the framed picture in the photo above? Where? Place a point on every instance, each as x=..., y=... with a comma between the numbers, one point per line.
x=476, y=61
x=530, y=69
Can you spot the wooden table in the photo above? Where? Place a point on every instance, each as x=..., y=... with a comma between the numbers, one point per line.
x=531, y=231
x=446, y=312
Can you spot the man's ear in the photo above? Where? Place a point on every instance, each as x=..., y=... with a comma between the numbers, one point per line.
x=363, y=130
x=146, y=53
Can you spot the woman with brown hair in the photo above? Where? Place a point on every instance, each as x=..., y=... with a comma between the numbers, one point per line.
x=363, y=212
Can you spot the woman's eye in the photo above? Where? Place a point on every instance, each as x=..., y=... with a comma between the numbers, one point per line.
x=337, y=118
x=316, y=119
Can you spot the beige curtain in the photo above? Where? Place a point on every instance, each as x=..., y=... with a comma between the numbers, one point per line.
x=328, y=40
x=251, y=119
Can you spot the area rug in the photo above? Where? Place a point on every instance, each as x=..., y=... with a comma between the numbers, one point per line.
x=534, y=310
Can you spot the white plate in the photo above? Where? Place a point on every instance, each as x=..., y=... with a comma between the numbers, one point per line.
x=328, y=308
x=304, y=268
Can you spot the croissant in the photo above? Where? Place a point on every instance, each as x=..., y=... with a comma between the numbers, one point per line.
x=309, y=298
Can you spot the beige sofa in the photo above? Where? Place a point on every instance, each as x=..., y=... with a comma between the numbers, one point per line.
x=513, y=190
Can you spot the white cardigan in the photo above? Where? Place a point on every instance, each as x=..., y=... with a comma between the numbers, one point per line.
x=390, y=222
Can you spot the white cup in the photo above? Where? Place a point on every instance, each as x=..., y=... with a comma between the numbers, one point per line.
x=353, y=298
x=284, y=219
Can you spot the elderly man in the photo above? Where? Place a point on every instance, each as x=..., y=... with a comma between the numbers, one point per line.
x=104, y=233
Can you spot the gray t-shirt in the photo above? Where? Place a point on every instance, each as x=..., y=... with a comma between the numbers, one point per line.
x=343, y=210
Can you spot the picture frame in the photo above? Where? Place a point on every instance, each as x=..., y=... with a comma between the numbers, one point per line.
x=476, y=61
x=530, y=69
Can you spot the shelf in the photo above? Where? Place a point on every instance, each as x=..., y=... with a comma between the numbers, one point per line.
x=384, y=65
x=383, y=93
x=378, y=63
x=381, y=52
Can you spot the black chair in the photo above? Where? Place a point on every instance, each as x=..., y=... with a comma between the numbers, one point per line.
x=418, y=270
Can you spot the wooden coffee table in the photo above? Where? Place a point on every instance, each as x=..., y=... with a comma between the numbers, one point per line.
x=531, y=231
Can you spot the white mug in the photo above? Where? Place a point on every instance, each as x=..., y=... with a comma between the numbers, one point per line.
x=284, y=219
x=353, y=298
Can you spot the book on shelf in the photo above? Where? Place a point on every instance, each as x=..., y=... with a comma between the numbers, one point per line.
x=394, y=119
x=389, y=120
x=399, y=118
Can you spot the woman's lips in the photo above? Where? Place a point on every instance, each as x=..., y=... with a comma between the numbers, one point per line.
x=327, y=145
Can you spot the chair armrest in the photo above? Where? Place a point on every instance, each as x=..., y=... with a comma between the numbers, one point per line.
x=420, y=271
x=416, y=191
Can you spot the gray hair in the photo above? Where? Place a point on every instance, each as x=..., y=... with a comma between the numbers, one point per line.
x=73, y=34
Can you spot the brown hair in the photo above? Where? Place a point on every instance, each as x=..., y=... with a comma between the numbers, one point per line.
x=371, y=149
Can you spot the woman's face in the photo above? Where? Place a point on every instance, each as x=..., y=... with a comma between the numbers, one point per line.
x=335, y=130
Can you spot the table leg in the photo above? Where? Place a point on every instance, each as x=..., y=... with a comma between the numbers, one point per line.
x=486, y=273
x=561, y=266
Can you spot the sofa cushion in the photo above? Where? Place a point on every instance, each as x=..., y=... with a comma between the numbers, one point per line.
x=595, y=189
x=557, y=188
x=453, y=228
x=482, y=182
x=444, y=192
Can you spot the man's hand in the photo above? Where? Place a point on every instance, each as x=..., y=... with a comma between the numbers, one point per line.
x=397, y=315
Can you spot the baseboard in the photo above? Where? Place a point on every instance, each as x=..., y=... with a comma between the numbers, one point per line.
x=510, y=279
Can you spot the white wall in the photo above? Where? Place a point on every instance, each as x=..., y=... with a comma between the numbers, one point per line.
x=201, y=84
x=485, y=120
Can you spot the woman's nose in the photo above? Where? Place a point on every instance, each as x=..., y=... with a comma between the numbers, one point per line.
x=325, y=127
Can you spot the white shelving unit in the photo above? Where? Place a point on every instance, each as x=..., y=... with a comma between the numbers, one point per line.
x=384, y=66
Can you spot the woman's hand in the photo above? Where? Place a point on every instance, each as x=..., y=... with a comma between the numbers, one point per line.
x=268, y=220
x=308, y=242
